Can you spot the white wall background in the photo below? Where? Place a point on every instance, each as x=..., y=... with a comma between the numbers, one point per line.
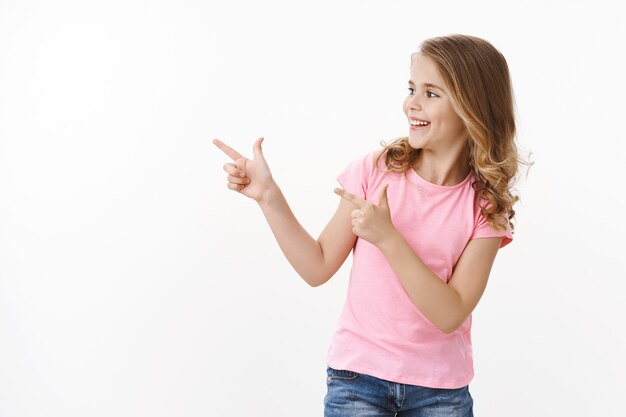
x=134, y=283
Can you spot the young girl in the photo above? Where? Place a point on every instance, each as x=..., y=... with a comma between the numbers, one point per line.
x=424, y=217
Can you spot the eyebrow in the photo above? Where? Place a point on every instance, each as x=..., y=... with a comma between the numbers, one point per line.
x=427, y=85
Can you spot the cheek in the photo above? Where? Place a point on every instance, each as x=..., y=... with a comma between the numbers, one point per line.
x=452, y=120
x=458, y=124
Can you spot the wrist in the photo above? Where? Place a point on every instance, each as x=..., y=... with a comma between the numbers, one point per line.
x=390, y=241
x=269, y=195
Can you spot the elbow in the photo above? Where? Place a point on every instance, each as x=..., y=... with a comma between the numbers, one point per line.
x=316, y=273
x=449, y=330
x=315, y=280
x=311, y=281
x=452, y=327
x=445, y=327
x=455, y=320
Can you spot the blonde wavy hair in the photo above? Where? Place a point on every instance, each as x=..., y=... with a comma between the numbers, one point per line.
x=477, y=77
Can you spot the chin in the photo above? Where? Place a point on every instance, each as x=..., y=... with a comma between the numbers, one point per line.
x=414, y=145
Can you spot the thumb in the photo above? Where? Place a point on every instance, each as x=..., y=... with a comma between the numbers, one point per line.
x=382, y=200
x=256, y=148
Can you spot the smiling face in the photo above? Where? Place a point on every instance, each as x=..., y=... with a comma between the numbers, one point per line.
x=429, y=101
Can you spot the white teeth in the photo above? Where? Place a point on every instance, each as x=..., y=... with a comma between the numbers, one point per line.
x=418, y=123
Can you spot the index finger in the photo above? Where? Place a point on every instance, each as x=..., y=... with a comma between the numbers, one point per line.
x=227, y=149
x=354, y=199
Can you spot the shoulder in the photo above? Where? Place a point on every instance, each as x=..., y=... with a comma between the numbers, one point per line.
x=482, y=228
x=359, y=175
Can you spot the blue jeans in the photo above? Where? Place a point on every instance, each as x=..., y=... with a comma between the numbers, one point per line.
x=356, y=394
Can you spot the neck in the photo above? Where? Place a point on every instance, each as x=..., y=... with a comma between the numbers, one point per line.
x=442, y=169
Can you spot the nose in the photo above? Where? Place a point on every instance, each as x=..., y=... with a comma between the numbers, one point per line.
x=414, y=103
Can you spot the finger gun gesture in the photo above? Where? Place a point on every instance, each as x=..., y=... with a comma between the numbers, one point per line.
x=371, y=222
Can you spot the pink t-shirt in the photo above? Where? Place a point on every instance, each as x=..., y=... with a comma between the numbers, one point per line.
x=380, y=331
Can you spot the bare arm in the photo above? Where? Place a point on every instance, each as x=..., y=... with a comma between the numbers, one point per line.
x=316, y=261
x=447, y=306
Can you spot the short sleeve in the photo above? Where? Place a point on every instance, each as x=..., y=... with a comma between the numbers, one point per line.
x=484, y=229
x=355, y=177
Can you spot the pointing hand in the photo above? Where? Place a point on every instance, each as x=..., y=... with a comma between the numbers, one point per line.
x=370, y=221
x=250, y=177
